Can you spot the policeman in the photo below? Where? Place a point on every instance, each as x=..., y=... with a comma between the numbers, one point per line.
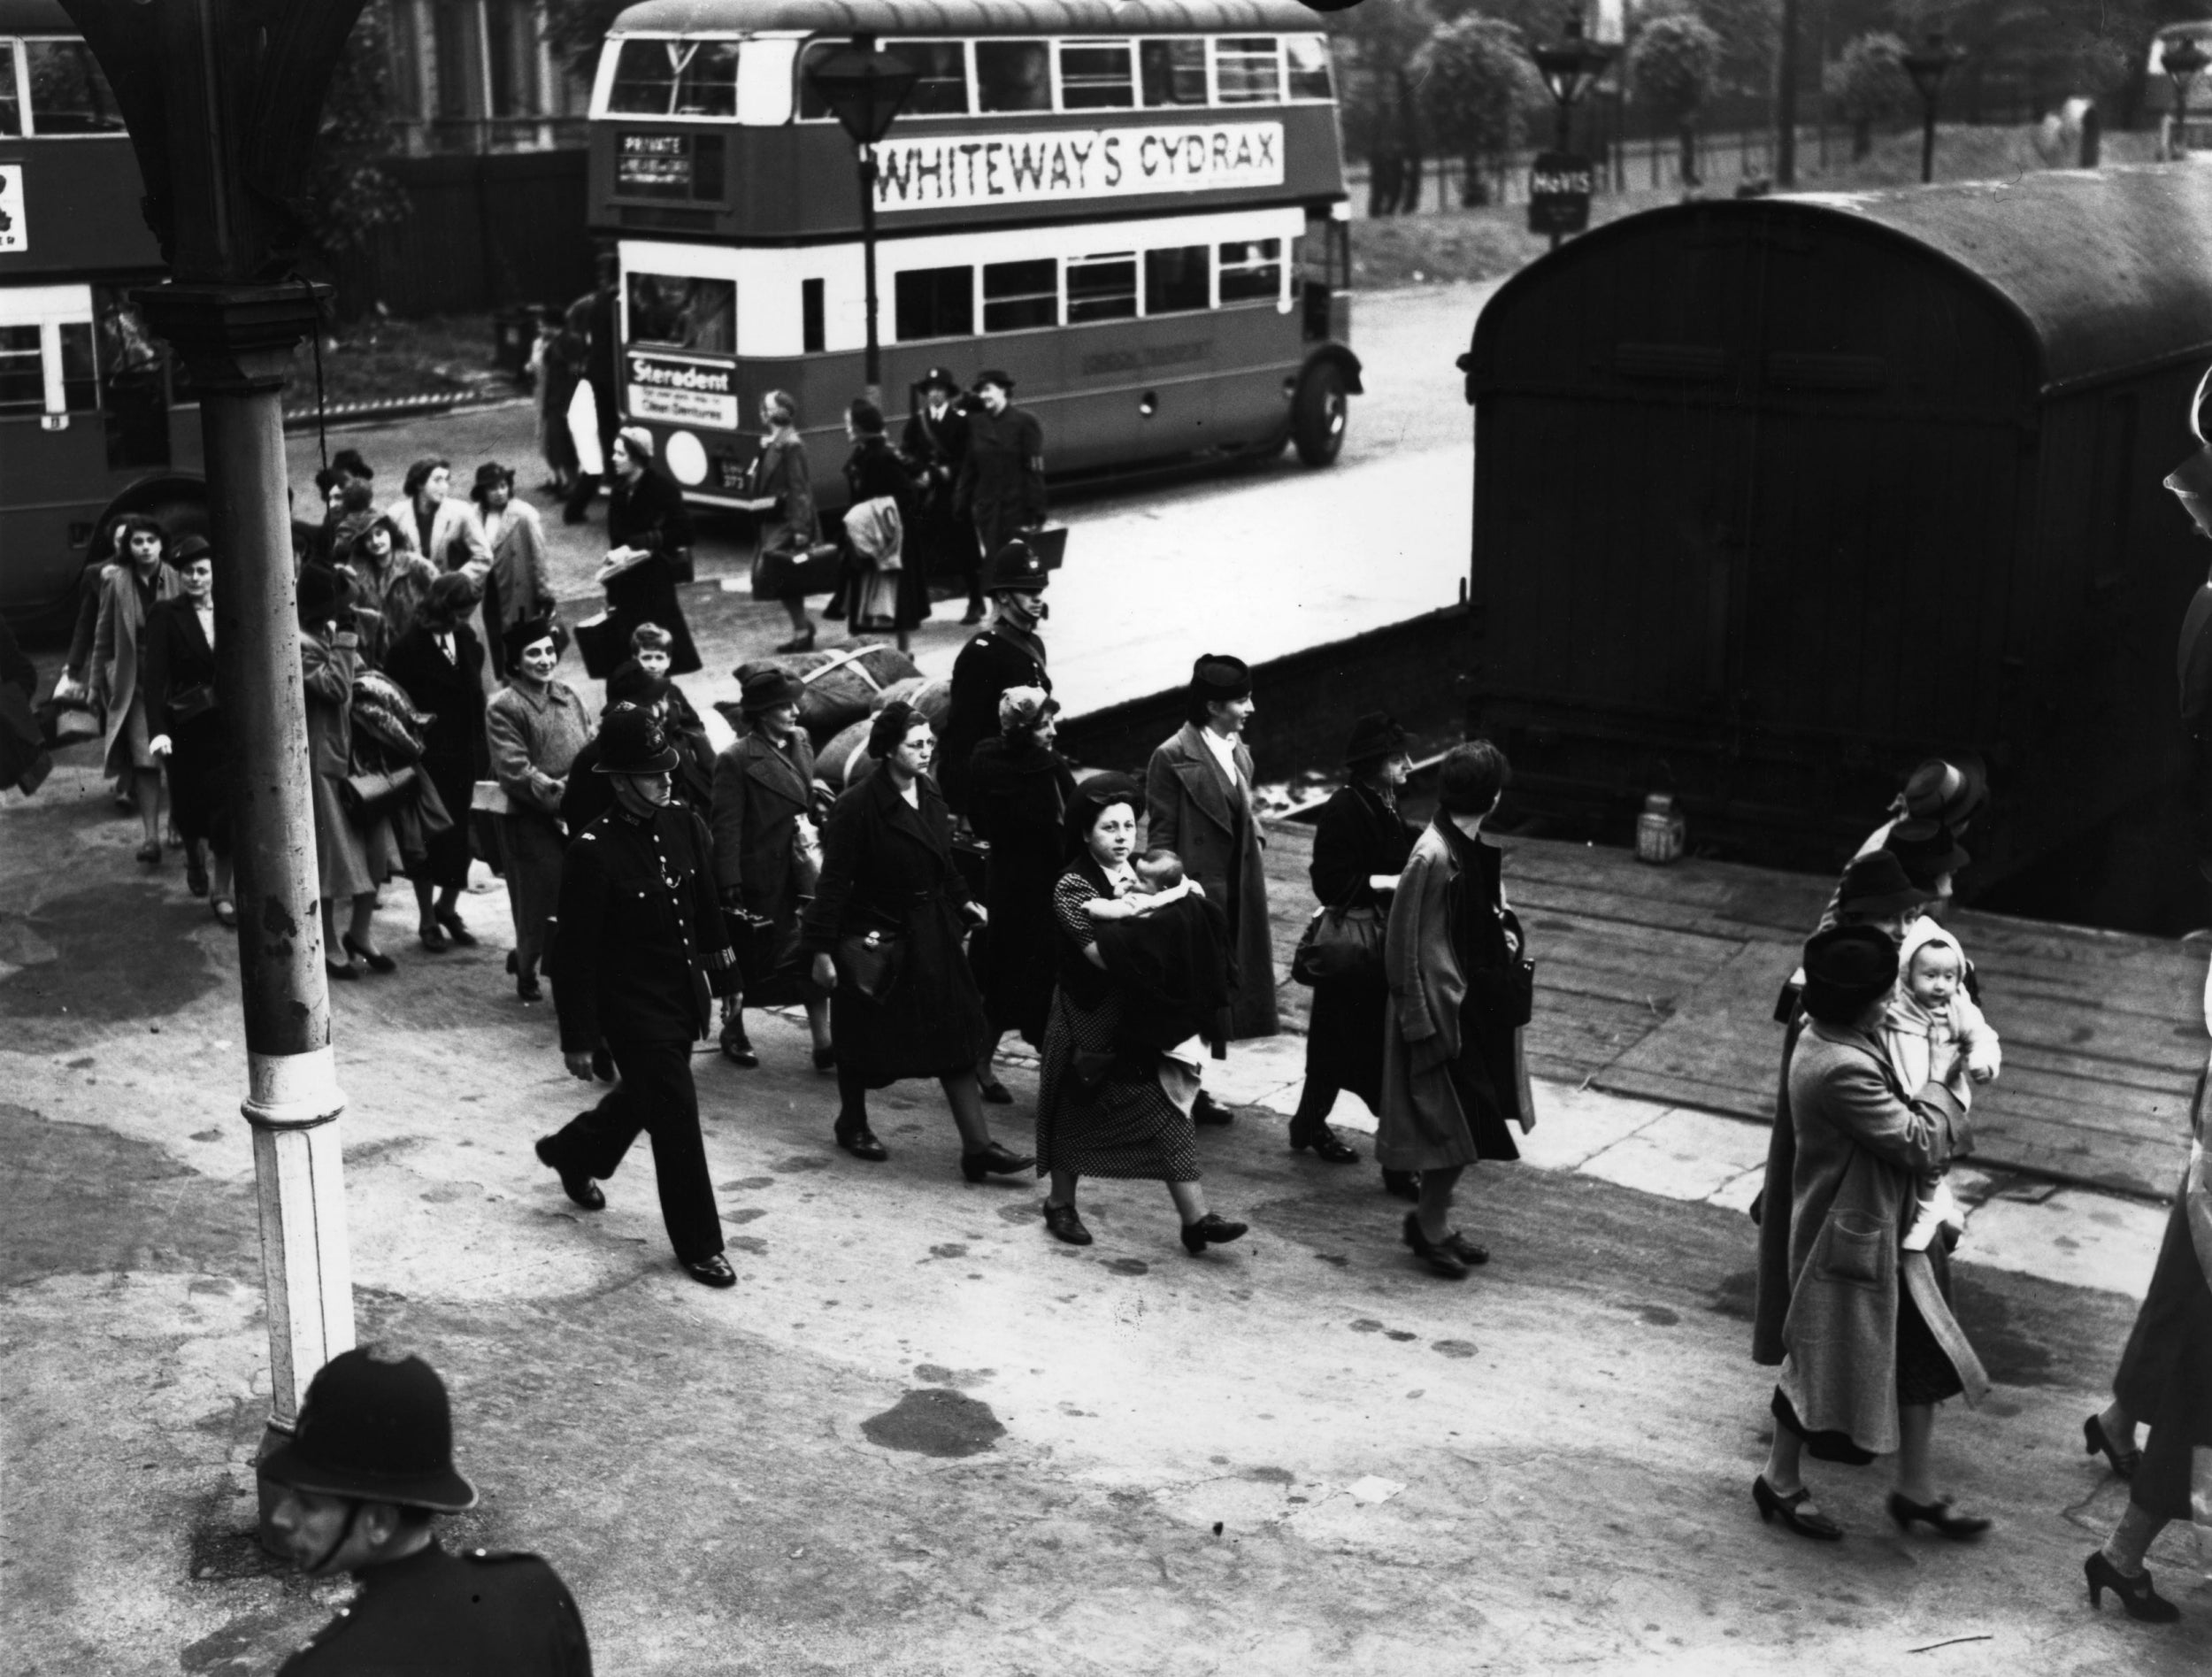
x=640, y=954
x=368, y=1465
x=1009, y=653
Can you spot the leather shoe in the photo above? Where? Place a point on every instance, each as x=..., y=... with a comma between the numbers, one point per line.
x=1326, y=1146
x=575, y=1184
x=825, y=1060
x=1206, y=1110
x=1465, y=1250
x=996, y=1094
x=1437, y=1255
x=1063, y=1224
x=993, y=1160
x=712, y=1272
x=860, y=1142
x=1212, y=1229
x=737, y=1048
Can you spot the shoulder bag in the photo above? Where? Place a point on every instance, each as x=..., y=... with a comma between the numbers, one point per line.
x=1339, y=943
x=870, y=964
x=367, y=796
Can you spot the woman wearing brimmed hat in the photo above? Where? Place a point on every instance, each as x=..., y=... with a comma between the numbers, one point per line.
x=440, y=663
x=1868, y=1343
x=536, y=726
x=766, y=856
x=1002, y=485
x=781, y=492
x=648, y=529
x=934, y=445
x=192, y=730
x=1360, y=844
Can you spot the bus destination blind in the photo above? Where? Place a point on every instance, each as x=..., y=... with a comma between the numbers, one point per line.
x=944, y=172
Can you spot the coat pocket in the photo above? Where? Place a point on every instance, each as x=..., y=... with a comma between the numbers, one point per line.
x=1854, y=1247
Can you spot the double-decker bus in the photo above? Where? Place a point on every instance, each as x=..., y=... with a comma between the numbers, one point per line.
x=1135, y=207
x=88, y=413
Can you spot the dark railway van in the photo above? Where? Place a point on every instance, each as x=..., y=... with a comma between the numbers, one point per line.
x=1773, y=497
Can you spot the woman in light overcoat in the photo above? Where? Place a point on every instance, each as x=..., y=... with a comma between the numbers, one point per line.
x=536, y=726
x=141, y=579
x=1869, y=1343
x=517, y=584
x=1198, y=803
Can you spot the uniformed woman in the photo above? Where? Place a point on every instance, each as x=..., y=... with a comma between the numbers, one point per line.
x=536, y=726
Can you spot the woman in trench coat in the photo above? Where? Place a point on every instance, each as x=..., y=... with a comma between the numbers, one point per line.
x=141, y=579
x=1870, y=1345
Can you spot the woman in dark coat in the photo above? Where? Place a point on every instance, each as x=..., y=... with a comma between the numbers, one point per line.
x=2165, y=1379
x=356, y=855
x=1020, y=792
x=1108, y=1103
x=1360, y=844
x=651, y=530
x=767, y=856
x=1451, y=1067
x=191, y=733
x=889, y=916
x=440, y=663
x=880, y=601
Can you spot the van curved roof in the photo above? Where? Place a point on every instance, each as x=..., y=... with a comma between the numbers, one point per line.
x=2109, y=271
x=35, y=16
x=967, y=17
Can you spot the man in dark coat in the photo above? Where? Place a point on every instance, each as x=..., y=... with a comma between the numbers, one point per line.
x=367, y=1469
x=1002, y=484
x=935, y=444
x=1009, y=654
x=595, y=318
x=640, y=958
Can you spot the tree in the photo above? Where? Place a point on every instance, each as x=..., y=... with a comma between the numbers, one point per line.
x=1477, y=85
x=350, y=196
x=1674, y=66
x=576, y=29
x=1868, y=83
x=1375, y=42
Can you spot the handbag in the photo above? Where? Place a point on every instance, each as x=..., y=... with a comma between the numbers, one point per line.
x=365, y=796
x=1339, y=943
x=870, y=962
x=190, y=703
x=785, y=573
x=602, y=645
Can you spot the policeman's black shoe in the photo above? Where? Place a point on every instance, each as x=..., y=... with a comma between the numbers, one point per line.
x=860, y=1142
x=712, y=1272
x=1326, y=1146
x=737, y=1048
x=602, y=1063
x=1206, y=1110
x=993, y=1160
x=1212, y=1229
x=575, y=1184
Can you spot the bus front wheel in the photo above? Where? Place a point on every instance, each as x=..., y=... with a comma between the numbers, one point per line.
x=1319, y=414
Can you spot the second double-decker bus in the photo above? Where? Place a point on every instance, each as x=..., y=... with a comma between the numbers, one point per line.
x=1136, y=209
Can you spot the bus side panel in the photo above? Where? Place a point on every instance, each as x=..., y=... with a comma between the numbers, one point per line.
x=56, y=480
x=81, y=209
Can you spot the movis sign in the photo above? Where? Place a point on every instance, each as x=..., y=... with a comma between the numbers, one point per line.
x=955, y=170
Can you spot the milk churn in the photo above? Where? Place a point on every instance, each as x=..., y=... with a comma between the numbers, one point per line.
x=1660, y=830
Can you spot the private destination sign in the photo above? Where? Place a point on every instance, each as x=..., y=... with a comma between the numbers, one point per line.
x=958, y=170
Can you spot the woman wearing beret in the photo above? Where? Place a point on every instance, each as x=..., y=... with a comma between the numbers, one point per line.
x=885, y=931
x=356, y=854
x=1868, y=1343
x=1114, y=1097
x=767, y=856
x=536, y=726
x=649, y=529
x=440, y=663
x=1451, y=1082
x=1360, y=844
x=192, y=734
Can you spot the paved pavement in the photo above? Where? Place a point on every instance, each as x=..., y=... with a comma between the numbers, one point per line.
x=1299, y=1454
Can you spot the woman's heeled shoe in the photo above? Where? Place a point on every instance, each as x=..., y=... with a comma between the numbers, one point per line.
x=860, y=1142
x=1063, y=1224
x=2136, y=1594
x=996, y=1092
x=527, y=987
x=825, y=1060
x=1437, y=1255
x=1326, y=1145
x=432, y=937
x=2096, y=1441
x=149, y=854
x=344, y=974
x=194, y=872
x=376, y=961
x=1774, y=1504
x=456, y=934
x=993, y=1160
x=1212, y=1229
x=1937, y=1516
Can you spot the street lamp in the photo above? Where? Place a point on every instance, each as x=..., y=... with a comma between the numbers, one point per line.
x=865, y=91
x=1571, y=67
x=1927, y=68
x=2183, y=60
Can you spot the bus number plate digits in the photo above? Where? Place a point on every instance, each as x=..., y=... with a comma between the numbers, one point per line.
x=688, y=392
x=15, y=233
x=943, y=172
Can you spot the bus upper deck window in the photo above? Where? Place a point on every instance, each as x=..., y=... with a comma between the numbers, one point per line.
x=1103, y=288
x=10, y=103
x=1252, y=271
x=1306, y=66
x=1018, y=295
x=675, y=79
x=69, y=91
x=1247, y=70
x=1095, y=75
x=1012, y=75
x=813, y=106
x=1173, y=72
x=683, y=313
x=1175, y=281
x=22, y=371
x=941, y=89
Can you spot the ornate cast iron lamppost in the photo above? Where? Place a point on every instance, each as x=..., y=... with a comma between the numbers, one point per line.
x=2183, y=61
x=866, y=89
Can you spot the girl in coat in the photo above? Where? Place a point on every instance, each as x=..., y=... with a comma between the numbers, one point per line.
x=1869, y=1343
x=192, y=733
x=1360, y=844
x=1020, y=791
x=440, y=663
x=388, y=583
x=356, y=854
x=130, y=588
x=766, y=853
x=650, y=529
x=783, y=496
x=885, y=931
x=519, y=585
x=1451, y=955
x=534, y=725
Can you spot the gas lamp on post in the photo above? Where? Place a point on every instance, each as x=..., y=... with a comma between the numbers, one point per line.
x=2183, y=60
x=1570, y=67
x=1927, y=68
x=866, y=89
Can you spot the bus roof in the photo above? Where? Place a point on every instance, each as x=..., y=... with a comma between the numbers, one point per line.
x=963, y=17
x=35, y=16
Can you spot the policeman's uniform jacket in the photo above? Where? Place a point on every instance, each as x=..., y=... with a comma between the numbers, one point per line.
x=994, y=660
x=641, y=953
x=436, y=1614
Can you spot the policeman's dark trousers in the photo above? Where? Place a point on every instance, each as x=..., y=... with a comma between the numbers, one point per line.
x=655, y=1096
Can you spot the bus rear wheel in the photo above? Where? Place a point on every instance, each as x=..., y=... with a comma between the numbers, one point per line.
x=1319, y=414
